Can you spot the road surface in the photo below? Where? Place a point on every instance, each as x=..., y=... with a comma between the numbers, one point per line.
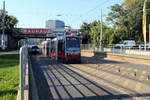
x=57, y=81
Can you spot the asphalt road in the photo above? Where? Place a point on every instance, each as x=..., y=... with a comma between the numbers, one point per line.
x=55, y=81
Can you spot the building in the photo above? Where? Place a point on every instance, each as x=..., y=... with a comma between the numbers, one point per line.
x=55, y=24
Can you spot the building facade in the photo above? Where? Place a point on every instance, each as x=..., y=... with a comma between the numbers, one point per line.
x=55, y=24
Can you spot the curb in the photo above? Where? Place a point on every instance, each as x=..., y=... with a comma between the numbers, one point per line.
x=26, y=86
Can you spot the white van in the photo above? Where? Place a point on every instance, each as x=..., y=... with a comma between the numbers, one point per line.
x=126, y=43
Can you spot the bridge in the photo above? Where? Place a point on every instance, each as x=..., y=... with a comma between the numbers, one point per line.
x=34, y=33
x=41, y=32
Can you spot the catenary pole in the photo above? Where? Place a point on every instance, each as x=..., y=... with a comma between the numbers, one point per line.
x=101, y=30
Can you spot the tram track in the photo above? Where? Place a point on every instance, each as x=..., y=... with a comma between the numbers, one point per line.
x=95, y=75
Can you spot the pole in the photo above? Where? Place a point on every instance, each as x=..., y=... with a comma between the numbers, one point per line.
x=3, y=30
x=149, y=33
x=101, y=31
x=21, y=73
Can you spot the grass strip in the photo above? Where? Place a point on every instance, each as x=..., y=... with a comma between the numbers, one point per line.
x=9, y=76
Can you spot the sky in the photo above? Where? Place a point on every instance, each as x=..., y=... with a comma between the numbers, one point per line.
x=34, y=13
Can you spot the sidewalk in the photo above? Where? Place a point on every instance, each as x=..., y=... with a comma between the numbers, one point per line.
x=9, y=52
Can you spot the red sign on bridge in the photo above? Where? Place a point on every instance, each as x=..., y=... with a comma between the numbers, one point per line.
x=35, y=31
x=73, y=32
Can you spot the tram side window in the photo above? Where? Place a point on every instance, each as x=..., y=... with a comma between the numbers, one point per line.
x=49, y=47
x=61, y=47
x=53, y=47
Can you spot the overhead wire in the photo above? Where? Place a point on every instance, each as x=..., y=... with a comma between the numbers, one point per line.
x=106, y=1
x=89, y=11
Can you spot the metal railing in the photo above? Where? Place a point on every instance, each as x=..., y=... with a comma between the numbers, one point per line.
x=136, y=50
x=23, y=73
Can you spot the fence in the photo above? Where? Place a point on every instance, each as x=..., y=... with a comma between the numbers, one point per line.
x=137, y=50
x=24, y=85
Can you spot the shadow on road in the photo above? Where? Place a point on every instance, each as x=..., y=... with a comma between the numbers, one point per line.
x=93, y=60
x=55, y=81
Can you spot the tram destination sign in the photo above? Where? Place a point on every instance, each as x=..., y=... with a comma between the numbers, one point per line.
x=35, y=31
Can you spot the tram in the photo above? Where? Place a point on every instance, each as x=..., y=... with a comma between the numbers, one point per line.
x=63, y=48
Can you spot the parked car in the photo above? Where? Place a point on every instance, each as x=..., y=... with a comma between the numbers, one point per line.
x=34, y=50
x=125, y=44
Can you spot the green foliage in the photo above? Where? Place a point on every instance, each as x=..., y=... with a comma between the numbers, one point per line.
x=129, y=4
x=125, y=23
x=85, y=31
x=10, y=22
x=91, y=32
x=9, y=76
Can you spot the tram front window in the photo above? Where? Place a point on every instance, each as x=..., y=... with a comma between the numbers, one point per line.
x=73, y=43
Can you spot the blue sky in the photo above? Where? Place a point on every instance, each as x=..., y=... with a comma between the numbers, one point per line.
x=34, y=13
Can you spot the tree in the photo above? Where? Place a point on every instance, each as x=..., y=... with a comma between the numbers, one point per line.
x=129, y=4
x=91, y=32
x=85, y=32
x=119, y=22
x=10, y=22
x=127, y=21
x=95, y=32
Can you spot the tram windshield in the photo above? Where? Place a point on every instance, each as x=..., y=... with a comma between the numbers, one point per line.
x=73, y=42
